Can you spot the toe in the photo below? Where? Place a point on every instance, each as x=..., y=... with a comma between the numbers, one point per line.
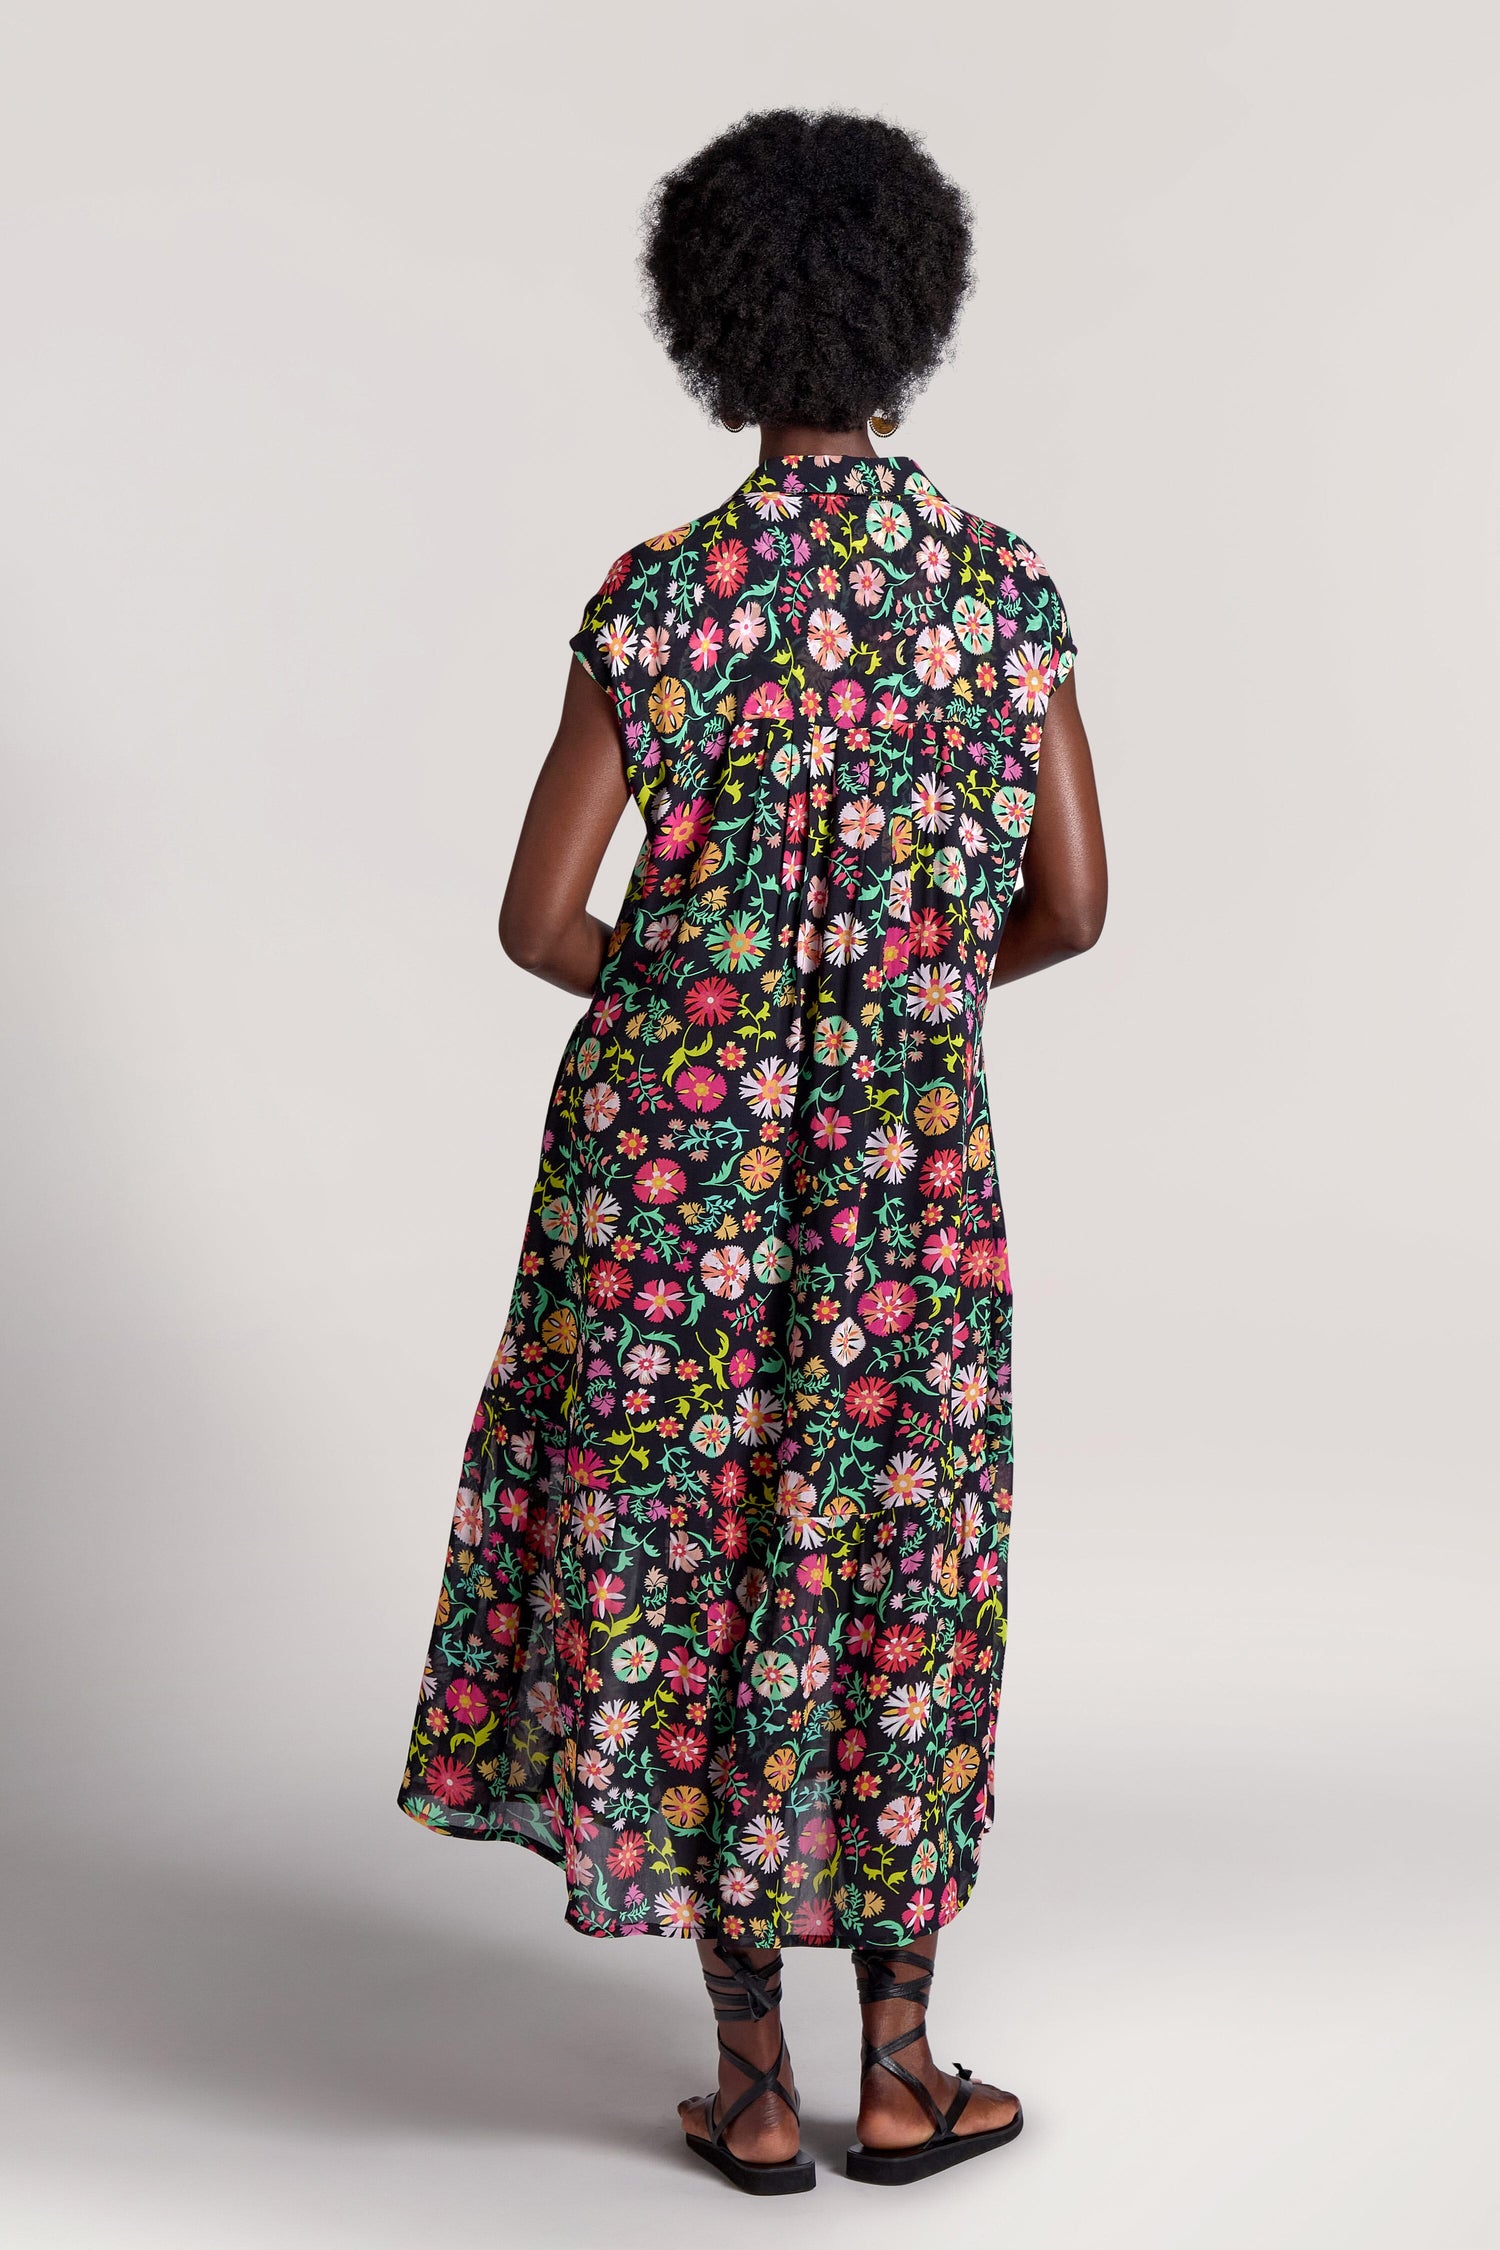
x=987, y=2109
x=693, y=2114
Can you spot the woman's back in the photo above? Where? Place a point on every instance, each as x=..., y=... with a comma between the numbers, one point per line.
x=766, y=1274
x=723, y=1616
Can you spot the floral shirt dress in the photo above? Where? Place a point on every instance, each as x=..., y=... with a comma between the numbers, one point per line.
x=723, y=1616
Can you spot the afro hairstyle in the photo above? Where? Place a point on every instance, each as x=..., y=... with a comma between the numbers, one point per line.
x=806, y=267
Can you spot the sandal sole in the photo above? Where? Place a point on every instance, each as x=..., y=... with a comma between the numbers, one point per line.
x=895, y=2167
x=792, y=2178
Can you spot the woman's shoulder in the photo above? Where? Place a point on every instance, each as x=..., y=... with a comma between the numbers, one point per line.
x=1003, y=548
x=647, y=600
x=654, y=564
x=1026, y=593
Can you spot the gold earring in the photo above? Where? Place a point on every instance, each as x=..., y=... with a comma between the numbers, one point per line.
x=883, y=424
x=734, y=426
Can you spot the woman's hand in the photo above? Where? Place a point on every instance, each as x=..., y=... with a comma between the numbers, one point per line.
x=580, y=793
x=1059, y=909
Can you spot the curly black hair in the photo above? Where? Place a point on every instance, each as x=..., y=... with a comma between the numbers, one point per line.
x=806, y=267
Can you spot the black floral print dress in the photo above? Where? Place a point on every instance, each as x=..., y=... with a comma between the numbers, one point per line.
x=723, y=1617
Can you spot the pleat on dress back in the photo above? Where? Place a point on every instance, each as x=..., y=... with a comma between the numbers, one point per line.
x=723, y=1618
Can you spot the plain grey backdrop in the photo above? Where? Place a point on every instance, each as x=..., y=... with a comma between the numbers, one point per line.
x=325, y=401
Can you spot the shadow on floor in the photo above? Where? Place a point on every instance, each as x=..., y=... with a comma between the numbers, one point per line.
x=256, y=2004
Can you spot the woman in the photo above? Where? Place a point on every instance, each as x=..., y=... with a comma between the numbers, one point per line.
x=723, y=1618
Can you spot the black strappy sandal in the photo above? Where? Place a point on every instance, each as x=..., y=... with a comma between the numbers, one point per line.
x=877, y=1979
x=743, y=1995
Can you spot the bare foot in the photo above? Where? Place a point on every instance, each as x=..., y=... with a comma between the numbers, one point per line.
x=765, y=2133
x=892, y=2116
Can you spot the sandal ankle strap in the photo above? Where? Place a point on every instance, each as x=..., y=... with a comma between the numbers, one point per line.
x=743, y=1993
x=883, y=2057
x=767, y=2081
x=875, y=1974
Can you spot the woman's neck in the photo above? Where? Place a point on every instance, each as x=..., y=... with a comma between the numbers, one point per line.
x=778, y=438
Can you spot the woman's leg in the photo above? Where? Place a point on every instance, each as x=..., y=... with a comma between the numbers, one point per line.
x=744, y=1985
x=891, y=2113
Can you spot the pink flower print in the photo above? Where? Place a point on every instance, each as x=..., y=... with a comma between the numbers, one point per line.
x=890, y=713
x=769, y=701
x=1030, y=670
x=896, y=956
x=725, y=567
x=704, y=646
x=861, y=822
x=699, y=1089
x=449, y=1781
x=829, y=639
x=846, y=703
x=587, y=1470
x=812, y=1919
x=889, y=1307
x=468, y=1703
x=659, y=1180
x=747, y=628
x=850, y=1748
x=724, y=1624
x=503, y=1623
x=984, y=1578
x=867, y=584
x=726, y=1270
x=687, y=1673
x=683, y=829
x=935, y=658
x=606, y=1594
x=512, y=1507
x=917, y=1913
x=942, y=1251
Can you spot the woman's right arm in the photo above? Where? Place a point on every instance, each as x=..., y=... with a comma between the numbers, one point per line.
x=1059, y=909
x=580, y=793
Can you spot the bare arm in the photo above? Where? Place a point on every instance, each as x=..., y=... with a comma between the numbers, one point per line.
x=1059, y=910
x=580, y=793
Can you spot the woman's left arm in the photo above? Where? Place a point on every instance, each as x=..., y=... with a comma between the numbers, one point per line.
x=580, y=793
x=1059, y=909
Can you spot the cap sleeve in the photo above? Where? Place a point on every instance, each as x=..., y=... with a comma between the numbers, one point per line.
x=608, y=646
x=1064, y=647
x=605, y=640
x=1044, y=620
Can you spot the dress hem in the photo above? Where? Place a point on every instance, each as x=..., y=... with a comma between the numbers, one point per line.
x=645, y=1928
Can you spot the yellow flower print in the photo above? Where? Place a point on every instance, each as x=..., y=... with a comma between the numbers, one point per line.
x=759, y=1167
x=666, y=706
x=960, y=1768
x=937, y=1110
x=780, y=1768
x=683, y=1807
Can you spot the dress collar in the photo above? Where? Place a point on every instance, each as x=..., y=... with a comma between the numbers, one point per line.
x=875, y=476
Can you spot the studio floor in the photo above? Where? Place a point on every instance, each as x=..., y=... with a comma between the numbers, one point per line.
x=1243, y=1981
